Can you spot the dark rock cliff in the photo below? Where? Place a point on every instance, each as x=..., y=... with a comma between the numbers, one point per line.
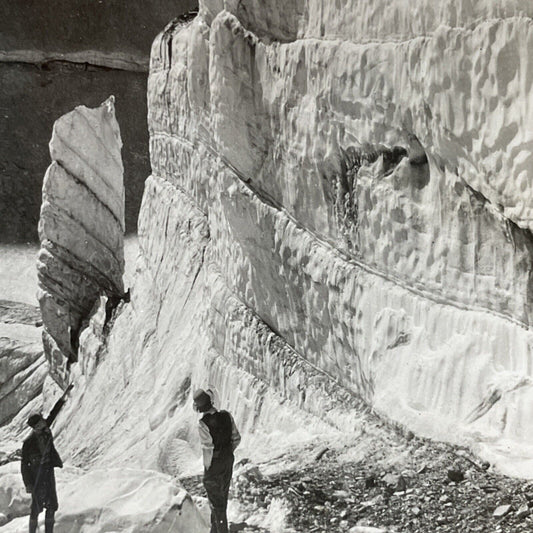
x=54, y=57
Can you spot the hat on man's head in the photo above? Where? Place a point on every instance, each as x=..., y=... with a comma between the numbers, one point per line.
x=34, y=419
x=202, y=400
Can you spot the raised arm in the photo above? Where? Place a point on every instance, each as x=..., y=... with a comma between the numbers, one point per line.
x=57, y=407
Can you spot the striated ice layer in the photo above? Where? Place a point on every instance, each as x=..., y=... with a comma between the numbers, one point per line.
x=81, y=228
x=359, y=20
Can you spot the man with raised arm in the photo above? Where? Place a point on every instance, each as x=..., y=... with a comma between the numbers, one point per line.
x=39, y=458
x=218, y=437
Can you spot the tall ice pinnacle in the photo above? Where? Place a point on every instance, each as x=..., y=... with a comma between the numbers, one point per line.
x=81, y=227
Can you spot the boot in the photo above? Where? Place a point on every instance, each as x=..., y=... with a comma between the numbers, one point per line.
x=33, y=525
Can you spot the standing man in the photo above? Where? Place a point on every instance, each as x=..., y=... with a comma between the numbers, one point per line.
x=39, y=458
x=219, y=438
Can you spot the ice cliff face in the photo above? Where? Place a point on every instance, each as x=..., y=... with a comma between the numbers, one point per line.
x=339, y=208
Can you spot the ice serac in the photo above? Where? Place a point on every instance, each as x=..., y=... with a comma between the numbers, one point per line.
x=81, y=228
x=339, y=209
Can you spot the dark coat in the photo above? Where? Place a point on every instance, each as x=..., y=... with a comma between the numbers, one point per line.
x=36, y=460
x=220, y=427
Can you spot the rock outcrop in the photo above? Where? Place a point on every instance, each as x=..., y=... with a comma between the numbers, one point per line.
x=339, y=209
x=81, y=228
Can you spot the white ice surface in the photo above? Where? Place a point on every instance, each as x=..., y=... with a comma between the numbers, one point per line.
x=126, y=500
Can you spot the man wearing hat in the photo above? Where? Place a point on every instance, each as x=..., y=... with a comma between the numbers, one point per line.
x=218, y=437
x=39, y=458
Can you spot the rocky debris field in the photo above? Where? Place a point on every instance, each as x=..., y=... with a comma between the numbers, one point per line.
x=387, y=480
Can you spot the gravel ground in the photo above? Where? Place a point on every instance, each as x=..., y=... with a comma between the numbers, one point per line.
x=385, y=479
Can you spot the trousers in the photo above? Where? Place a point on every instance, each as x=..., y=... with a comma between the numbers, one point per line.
x=49, y=520
x=44, y=496
x=217, y=479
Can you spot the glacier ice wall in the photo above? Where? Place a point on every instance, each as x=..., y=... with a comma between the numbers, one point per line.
x=339, y=208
